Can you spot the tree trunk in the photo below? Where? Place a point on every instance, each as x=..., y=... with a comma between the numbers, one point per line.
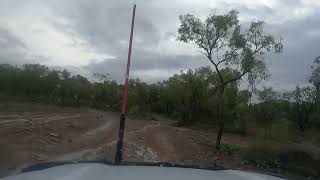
x=250, y=101
x=300, y=118
x=317, y=96
x=265, y=132
x=167, y=108
x=220, y=118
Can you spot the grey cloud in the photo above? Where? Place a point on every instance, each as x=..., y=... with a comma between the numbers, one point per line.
x=288, y=69
x=146, y=61
x=8, y=41
x=293, y=65
x=106, y=24
x=12, y=49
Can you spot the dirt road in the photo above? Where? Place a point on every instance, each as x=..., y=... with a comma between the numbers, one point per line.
x=63, y=134
x=56, y=134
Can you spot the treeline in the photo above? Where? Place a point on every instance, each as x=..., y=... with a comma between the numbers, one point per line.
x=190, y=97
x=39, y=83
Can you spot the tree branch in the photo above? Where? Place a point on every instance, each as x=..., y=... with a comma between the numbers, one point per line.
x=218, y=56
x=226, y=57
x=203, y=53
x=257, y=49
x=236, y=78
x=211, y=46
x=218, y=71
x=212, y=92
x=224, y=60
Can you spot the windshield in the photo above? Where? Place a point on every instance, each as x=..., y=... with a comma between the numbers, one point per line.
x=226, y=84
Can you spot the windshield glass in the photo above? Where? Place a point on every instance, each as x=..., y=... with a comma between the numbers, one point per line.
x=221, y=83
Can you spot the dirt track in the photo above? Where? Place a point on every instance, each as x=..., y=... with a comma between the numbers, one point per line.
x=63, y=134
x=85, y=134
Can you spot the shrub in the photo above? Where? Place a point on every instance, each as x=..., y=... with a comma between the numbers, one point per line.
x=260, y=155
x=135, y=111
x=315, y=119
x=235, y=130
x=228, y=149
x=289, y=158
x=283, y=131
x=313, y=136
x=225, y=149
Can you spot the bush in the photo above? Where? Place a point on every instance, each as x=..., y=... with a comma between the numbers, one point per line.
x=225, y=149
x=260, y=155
x=315, y=119
x=300, y=162
x=289, y=158
x=313, y=136
x=228, y=149
x=283, y=131
x=235, y=129
x=135, y=111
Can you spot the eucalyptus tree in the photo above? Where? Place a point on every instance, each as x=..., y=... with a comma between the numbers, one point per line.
x=225, y=44
x=315, y=77
x=303, y=98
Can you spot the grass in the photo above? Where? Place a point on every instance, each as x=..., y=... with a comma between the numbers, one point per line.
x=283, y=151
x=26, y=107
x=261, y=156
x=225, y=149
x=288, y=158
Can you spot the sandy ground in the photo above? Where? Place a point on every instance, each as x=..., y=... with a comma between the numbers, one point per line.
x=57, y=134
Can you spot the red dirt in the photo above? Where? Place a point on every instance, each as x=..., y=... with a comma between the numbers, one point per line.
x=165, y=149
x=53, y=135
x=83, y=134
x=56, y=134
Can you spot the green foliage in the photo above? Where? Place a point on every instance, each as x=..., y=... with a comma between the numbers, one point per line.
x=315, y=119
x=228, y=149
x=312, y=135
x=225, y=149
x=190, y=97
x=223, y=42
x=284, y=131
x=292, y=159
x=265, y=111
x=229, y=49
x=261, y=155
x=303, y=98
x=135, y=111
x=315, y=77
x=40, y=84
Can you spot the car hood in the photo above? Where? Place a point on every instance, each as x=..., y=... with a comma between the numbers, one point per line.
x=95, y=171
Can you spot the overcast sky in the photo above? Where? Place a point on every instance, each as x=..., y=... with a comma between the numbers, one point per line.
x=92, y=35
